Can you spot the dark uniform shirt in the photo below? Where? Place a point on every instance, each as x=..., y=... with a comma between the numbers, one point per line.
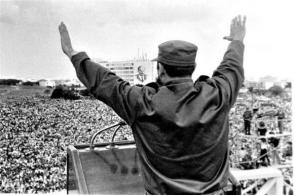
x=262, y=131
x=281, y=115
x=247, y=115
x=180, y=128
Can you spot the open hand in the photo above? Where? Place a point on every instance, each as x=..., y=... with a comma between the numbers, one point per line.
x=238, y=29
x=65, y=40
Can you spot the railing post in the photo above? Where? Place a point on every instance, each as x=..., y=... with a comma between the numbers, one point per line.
x=279, y=185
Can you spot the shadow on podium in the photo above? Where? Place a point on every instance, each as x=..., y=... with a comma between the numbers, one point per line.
x=106, y=169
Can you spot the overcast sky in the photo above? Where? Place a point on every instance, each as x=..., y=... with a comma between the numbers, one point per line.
x=117, y=29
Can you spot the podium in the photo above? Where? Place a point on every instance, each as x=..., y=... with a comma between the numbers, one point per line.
x=104, y=168
x=110, y=168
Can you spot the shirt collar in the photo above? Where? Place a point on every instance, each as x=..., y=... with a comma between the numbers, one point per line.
x=179, y=81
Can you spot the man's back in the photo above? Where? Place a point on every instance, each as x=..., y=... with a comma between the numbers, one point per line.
x=182, y=134
x=185, y=126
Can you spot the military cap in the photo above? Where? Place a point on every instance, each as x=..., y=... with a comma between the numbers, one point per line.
x=177, y=53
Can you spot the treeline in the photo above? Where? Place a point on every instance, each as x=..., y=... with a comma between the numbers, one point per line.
x=9, y=81
x=30, y=83
x=17, y=81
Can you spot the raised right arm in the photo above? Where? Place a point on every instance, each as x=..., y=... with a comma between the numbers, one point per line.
x=229, y=75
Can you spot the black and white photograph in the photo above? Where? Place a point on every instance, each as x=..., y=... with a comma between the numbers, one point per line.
x=146, y=97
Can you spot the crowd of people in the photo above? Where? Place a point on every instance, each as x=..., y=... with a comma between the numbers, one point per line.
x=35, y=132
x=260, y=134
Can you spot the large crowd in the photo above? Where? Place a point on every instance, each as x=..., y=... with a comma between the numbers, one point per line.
x=268, y=131
x=268, y=139
x=35, y=132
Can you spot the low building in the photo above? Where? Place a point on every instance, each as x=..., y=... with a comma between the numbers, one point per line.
x=255, y=84
x=68, y=82
x=46, y=83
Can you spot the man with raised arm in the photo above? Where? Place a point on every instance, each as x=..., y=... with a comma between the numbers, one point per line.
x=180, y=127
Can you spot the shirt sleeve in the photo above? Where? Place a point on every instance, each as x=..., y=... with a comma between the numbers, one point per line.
x=229, y=75
x=108, y=87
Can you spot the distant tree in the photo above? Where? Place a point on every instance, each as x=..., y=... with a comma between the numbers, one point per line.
x=30, y=83
x=288, y=85
x=85, y=92
x=250, y=89
x=57, y=92
x=9, y=81
x=276, y=90
x=64, y=93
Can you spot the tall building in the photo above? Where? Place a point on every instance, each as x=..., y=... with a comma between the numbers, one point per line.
x=124, y=69
x=139, y=71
